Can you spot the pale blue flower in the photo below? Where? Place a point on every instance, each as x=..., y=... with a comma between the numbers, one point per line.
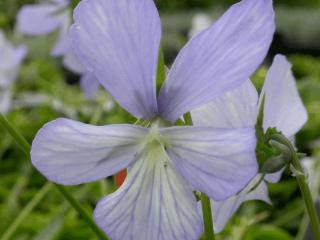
x=55, y=15
x=10, y=60
x=283, y=109
x=118, y=41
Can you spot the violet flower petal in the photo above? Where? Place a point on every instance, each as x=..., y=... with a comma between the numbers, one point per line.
x=72, y=63
x=218, y=59
x=274, y=177
x=88, y=81
x=70, y=152
x=39, y=19
x=235, y=109
x=154, y=203
x=10, y=61
x=62, y=2
x=283, y=106
x=62, y=46
x=119, y=42
x=224, y=210
x=218, y=162
x=20, y=52
x=89, y=84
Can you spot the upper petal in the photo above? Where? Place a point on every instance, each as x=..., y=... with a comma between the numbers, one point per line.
x=70, y=152
x=218, y=59
x=283, y=107
x=235, y=109
x=39, y=19
x=154, y=203
x=218, y=162
x=119, y=41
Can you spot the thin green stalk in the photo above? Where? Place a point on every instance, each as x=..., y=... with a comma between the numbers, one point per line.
x=94, y=120
x=103, y=186
x=26, y=211
x=55, y=224
x=205, y=200
x=305, y=220
x=26, y=149
x=207, y=217
x=10, y=205
x=86, y=217
x=25, y=146
x=307, y=197
x=304, y=188
x=303, y=227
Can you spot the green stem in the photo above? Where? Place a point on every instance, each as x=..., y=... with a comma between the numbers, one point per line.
x=25, y=146
x=303, y=227
x=86, y=217
x=188, y=119
x=94, y=121
x=315, y=190
x=26, y=211
x=304, y=188
x=207, y=217
x=26, y=149
x=205, y=200
x=307, y=197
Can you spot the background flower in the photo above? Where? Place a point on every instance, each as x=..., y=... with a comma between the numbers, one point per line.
x=10, y=61
x=46, y=17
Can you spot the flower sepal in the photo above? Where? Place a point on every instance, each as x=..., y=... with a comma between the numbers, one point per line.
x=269, y=156
x=275, y=152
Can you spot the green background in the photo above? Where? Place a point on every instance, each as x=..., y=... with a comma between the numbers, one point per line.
x=45, y=90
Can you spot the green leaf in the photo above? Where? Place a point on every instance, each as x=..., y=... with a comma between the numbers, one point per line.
x=266, y=232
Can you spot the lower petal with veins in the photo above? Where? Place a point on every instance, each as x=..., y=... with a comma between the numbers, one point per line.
x=153, y=203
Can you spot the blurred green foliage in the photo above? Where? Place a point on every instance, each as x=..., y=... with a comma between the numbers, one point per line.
x=174, y=5
x=45, y=91
x=8, y=8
